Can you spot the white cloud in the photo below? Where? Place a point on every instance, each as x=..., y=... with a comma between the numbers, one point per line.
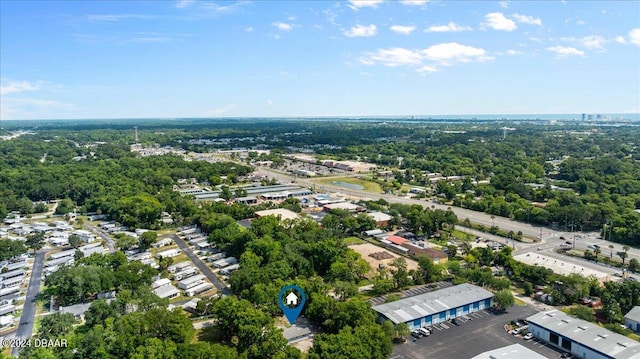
x=445, y=54
x=414, y=2
x=401, y=29
x=514, y=52
x=427, y=69
x=503, y=4
x=564, y=51
x=450, y=27
x=32, y=108
x=581, y=22
x=248, y=29
x=497, y=21
x=18, y=86
x=451, y=52
x=361, y=31
x=220, y=110
x=593, y=42
x=634, y=36
x=270, y=103
x=621, y=40
x=357, y=4
x=393, y=57
x=181, y=4
x=526, y=19
x=282, y=26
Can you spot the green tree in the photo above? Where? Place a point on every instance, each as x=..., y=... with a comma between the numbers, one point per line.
x=634, y=265
x=75, y=241
x=503, y=299
x=35, y=241
x=147, y=239
x=399, y=273
x=55, y=326
x=10, y=248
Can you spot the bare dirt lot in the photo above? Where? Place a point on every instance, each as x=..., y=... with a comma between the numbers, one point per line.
x=365, y=249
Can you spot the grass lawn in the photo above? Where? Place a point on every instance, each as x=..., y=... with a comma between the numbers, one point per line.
x=462, y=235
x=367, y=185
x=520, y=302
x=353, y=240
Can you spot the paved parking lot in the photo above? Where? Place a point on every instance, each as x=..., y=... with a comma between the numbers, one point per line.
x=479, y=332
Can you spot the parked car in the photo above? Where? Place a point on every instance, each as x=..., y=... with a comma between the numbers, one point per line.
x=416, y=334
x=566, y=355
x=529, y=336
x=424, y=332
x=455, y=322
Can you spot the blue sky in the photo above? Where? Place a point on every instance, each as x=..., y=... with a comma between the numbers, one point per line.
x=168, y=59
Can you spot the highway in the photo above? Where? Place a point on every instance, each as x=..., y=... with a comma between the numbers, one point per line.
x=25, y=327
x=581, y=240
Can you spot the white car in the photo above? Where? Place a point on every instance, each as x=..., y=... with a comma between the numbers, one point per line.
x=528, y=336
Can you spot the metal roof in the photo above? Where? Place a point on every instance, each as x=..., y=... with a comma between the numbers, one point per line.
x=419, y=306
x=587, y=334
x=511, y=351
x=634, y=314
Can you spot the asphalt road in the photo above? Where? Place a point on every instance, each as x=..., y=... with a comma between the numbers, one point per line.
x=25, y=326
x=108, y=240
x=204, y=269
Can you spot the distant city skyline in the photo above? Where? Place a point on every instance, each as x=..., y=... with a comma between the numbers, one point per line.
x=181, y=59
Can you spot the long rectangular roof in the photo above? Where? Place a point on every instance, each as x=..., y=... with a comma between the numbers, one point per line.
x=587, y=334
x=419, y=306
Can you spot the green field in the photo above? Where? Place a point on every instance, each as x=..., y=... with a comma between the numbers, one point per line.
x=367, y=185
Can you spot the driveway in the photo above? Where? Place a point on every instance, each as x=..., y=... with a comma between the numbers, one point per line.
x=204, y=269
x=25, y=327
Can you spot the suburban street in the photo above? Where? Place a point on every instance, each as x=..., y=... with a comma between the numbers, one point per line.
x=108, y=240
x=25, y=327
x=204, y=269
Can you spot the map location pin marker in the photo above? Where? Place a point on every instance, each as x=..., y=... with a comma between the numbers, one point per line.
x=291, y=303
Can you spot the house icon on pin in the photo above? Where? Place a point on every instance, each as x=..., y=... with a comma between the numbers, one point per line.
x=292, y=299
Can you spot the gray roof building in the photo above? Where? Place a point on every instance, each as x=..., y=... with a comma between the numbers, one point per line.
x=586, y=334
x=419, y=306
x=634, y=314
x=509, y=352
x=77, y=310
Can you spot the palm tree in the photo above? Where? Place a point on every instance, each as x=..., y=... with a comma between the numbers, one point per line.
x=596, y=252
x=611, y=251
x=623, y=256
x=492, y=222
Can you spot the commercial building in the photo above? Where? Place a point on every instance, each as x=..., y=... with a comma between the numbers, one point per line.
x=509, y=352
x=437, y=306
x=278, y=212
x=580, y=337
x=345, y=206
x=382, y=219
x=632, y=319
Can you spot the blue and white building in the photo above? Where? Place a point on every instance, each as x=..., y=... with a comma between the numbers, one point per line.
x=437, y=306
x=581, y=338
x=632, y=319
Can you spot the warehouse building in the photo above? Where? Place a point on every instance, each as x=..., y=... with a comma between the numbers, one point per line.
x=511, y=351
x=580, y=337
x=632, y=319
x=437, y=306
